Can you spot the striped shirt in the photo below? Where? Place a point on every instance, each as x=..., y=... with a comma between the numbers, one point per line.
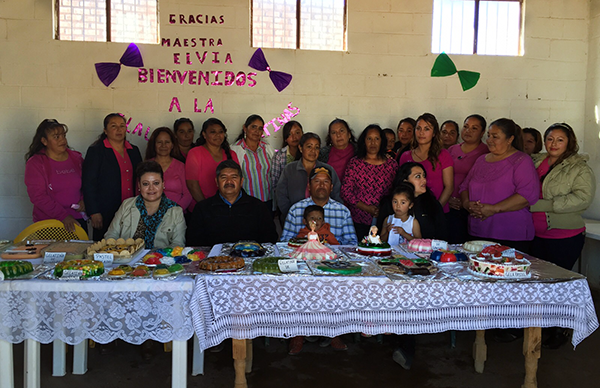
x=336, y=214
x=256, y=167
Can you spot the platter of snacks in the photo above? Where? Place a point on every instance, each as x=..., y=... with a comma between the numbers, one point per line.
x=121, y=249
x=222, y=264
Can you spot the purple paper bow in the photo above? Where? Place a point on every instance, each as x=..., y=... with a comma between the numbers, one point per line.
x=108, y=71
x=280, y=80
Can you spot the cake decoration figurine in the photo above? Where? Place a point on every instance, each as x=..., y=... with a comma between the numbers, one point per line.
x=313, y=249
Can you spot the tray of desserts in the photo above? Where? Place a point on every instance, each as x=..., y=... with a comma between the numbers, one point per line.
x=122, y=250
x=222, y=264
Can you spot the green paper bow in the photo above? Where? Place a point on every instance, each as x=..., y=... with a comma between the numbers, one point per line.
x=444, y=67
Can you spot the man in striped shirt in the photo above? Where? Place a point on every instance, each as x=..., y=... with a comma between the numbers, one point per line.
x=336, y=214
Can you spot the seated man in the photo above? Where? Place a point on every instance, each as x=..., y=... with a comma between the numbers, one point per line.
x=231, y=214
x=336, y=214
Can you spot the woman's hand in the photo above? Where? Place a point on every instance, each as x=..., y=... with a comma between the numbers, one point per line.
x=96, y=220
x=486, y=210
x=81, y=206
x=454, y=203
x=69, y=223
x=371, y=209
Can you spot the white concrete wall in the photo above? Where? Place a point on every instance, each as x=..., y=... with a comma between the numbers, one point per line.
x=383, y=77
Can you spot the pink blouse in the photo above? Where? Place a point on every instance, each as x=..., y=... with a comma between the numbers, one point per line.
x=127, y=184
x=366, y=183
x=175, y=186
x=463, y=163
x=200, y=166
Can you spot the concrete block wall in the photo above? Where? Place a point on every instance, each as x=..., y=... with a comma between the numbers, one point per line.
x=384, y=76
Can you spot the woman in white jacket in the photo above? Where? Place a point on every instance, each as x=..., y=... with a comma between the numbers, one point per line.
x=150, y=215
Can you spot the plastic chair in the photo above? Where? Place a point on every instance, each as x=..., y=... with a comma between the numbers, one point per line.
x=55, y=230
x=51, y=230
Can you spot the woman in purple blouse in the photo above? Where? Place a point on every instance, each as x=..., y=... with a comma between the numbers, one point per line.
x=368, y=178
x=499, y=189
x=464, y=156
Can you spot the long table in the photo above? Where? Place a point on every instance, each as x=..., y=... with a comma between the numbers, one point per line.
x=244, y=307
x=43, y=311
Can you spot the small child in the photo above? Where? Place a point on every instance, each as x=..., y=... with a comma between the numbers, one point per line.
x=402, y=225
x=316, y=214
x=390, y=138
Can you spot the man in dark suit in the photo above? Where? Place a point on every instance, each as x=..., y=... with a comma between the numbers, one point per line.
x=230, y=215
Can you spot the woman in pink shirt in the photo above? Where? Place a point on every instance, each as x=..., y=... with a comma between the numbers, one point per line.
x=464, y=156
x=162, y=147
x=53, y=176
x=202, y=161
x=340, y=147
x=427, y=149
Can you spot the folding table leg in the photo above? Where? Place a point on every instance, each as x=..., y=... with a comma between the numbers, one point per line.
x=532, y=344
x=179, y=379
x=80, y=355
x=197, y=358
x=32, y=364
x=7, y=378
x=239, y=362
x=479, y=350
x=59, y=358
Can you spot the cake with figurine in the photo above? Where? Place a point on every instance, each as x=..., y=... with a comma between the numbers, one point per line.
x=372, y=245
x=313, y=249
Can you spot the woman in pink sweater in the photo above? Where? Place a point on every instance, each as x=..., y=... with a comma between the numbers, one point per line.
x=53, y=176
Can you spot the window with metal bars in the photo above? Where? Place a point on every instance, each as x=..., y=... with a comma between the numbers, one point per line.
x=107, y=20
x=299, y=24
x=481, y=27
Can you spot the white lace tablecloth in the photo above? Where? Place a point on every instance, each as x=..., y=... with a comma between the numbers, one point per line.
x=245, y=307
x=72, y=311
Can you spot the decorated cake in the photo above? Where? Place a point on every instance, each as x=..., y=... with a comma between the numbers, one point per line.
x=477, y=246
x=88, y=268
x=426, y=245
x=500, y=262
x=247, y=249
x=176, y=255
x=372, y=245
x=121, y=249
x=267, y=264
x=13, y=269
x=341, y=267
x=313, y=250
x=222, y=263
x=448, y=256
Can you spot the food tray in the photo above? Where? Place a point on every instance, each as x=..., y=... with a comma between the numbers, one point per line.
x=194, y=269
x=269, y=250
x=24, y=251
x=38, y=271
x=123, y=250
x=369, y=268
x=73, y=250
x=303, y=269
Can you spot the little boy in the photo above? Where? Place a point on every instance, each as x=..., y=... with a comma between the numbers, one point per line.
x=317, y=214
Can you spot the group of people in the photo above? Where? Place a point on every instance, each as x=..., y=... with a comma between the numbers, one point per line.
x=424, y=185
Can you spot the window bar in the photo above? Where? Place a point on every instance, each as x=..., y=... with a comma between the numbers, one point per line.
x=298, y=15
x=476, y=27
x=345, y=37
x=108, y=23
